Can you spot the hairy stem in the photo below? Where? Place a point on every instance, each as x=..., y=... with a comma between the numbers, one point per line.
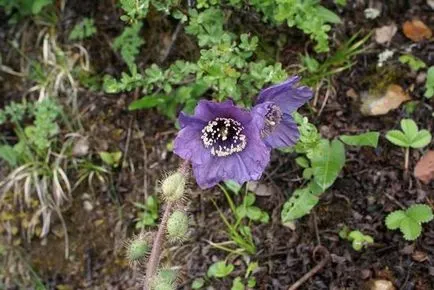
x=154, y=258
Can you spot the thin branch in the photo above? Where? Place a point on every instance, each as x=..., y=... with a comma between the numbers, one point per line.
x=316, y=269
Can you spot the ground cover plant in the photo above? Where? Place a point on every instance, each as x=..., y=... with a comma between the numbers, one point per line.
x=210, y=144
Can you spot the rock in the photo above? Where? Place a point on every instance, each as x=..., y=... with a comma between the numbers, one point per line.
x=81, y=147
x=430, y=3
x=416, y=30
x=379, y=285
x=384, y=34
x=392, y=99
x=424, y=170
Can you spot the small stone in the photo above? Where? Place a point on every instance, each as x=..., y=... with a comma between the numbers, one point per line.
x=424, y=170
x=384, y=34
x=430, y=3
x=87, y=205
x=81, y=148
x=380, y=285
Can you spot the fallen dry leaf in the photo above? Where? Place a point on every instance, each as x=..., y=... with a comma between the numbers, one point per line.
x=381, y=105
x=385, y=34
x=416, y=30
x=424, y=170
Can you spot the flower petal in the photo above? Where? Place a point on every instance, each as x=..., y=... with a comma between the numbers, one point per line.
x=286, y=95
x=188, y=145
x=286, y=133
x=208, y=110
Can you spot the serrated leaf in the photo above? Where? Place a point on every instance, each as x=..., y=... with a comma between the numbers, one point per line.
x=365, y=139
x=422, y=139
x=421, y=213
x=410, y=228
x=409, y=128
x=298, y=205
x=327, y=162
x=394, y=219
x=8, y=154
x=398, y=138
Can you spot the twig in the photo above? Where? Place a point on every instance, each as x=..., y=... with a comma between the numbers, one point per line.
x=172, y=42
x=316, y=269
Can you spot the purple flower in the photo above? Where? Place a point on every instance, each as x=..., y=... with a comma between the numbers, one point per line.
x=222, y=142
x=276, y=104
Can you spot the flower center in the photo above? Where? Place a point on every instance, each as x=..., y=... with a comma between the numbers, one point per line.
x=271, y=120
x=224, y=137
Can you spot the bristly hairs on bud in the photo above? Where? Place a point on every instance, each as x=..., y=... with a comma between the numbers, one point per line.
x=138, y=248
x=173, y=187
x=177, y=226
x=165, y=279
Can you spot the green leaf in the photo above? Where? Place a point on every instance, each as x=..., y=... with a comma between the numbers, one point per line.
x=197, y=283
x=254, y=213
x=327, y=162
x=328, y=15
x=394, y=219
x=409, y=128
x=220, y=269
x=410, y=228
x=421, y=213
x=112, y=158
x=147, y=102
x=365, y=139
x=413, y=62
x=298, y=205
x=8, y=154
x=398, y=138
x=237, y=284
x=233, y=186
x=422, y=139
x=38, y=5
x=429, y=85
x=302, y=162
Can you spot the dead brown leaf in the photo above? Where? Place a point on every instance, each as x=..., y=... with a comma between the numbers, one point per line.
x=381, y=105
x=384, y=34
x=416, y=30
x=424, y=170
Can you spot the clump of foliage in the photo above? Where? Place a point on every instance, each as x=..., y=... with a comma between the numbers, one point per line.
x=19, y=9
x=409, y=221
x=128, y=44
x=82, y=30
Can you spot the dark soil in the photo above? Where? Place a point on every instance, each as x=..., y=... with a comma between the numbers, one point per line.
x=371, y=185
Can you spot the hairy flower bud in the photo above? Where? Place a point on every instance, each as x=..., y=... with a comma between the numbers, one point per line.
x=137, y=249
x=177, y=226
x=165, y=280
x=173, y=187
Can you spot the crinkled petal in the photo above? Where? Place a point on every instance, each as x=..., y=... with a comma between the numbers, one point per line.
x=286, y=95
x=188, y=145
x=186, y=120
x=208, y=110
x=284, y=135
x=258, y=114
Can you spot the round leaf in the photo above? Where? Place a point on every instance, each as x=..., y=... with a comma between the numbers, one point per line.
x=394, y=219
x=398, y=138
x=422, y=139
x=411, y=229
x=420, y=213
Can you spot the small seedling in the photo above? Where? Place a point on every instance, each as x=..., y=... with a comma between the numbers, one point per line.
x=410, y=221
x=220, y=269
x=357, y=238
x=149, y=215
x=413, y=62
x=198, y=283
x=429, y=85
x=111, y=158
x=410, y=136
x=246, y=209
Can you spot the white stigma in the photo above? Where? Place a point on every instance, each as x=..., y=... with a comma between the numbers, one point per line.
x=224, y=137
